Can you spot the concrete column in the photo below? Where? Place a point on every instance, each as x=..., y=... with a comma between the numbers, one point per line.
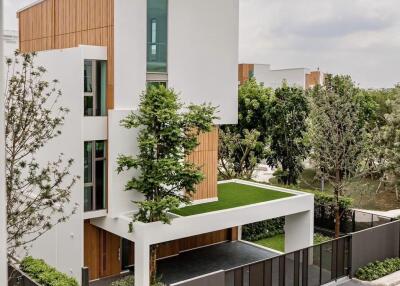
x=142, y=263
x=3, y=195
x=299, y=231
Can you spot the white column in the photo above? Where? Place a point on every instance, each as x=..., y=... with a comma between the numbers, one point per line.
x=299, y=231
x=3, y=195
x=142, y=263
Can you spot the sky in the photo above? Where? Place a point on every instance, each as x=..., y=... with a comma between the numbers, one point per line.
x=356, y=37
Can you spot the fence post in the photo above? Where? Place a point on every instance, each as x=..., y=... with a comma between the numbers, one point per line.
x=349, y=258
x=353, y=221
x=85, y=276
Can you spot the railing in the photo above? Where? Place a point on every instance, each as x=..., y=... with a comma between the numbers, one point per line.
x=350, y=221
x=315, y=265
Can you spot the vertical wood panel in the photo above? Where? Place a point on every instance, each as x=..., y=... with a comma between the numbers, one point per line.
x=206, y=157
x=59, y=24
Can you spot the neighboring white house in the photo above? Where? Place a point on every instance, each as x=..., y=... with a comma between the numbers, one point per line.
x=301, y=77
x=103, y=63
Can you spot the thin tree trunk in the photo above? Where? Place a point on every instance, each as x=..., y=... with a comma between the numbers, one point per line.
x=153, y=264
x=337, y=204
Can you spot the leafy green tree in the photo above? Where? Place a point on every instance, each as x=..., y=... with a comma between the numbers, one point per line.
x=36, y=193
x=387, y=143
x=288, y=113
x=337, y=134
x=168, y=134
x=250, y=134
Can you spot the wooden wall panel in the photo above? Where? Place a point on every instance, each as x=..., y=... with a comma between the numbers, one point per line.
x=101, y=252
x=60, y=24
x=244, y=71
x=206, y=156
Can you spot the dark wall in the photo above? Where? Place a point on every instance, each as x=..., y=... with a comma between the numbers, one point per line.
x=377, y=243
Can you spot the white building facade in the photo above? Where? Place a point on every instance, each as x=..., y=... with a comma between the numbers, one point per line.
x=103, y=66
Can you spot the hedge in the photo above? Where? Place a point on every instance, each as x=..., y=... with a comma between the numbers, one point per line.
x=378, y=269
x=126, y=281
x=44, y=274
x=324, y=216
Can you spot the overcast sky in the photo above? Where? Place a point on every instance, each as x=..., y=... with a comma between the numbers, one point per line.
x=356, y=37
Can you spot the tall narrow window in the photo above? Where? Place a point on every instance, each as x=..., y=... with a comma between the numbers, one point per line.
x=157, y=30
x=95, y=175
x=95, y=86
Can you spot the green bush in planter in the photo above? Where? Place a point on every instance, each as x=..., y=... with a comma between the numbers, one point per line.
x=378, y=269
x=130, y=281
x=44, y=274
x=263, y=229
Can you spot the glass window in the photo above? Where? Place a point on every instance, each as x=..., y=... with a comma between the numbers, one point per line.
x=88, y=76
x=157, y=34
x=95, y=175
x=95, y=88
x=88, y=157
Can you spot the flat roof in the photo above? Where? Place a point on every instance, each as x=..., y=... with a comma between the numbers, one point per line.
x=232, y=195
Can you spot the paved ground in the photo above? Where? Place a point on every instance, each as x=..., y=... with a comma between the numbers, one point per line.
x=210, y=259
x=202, y=261
x=351, y=283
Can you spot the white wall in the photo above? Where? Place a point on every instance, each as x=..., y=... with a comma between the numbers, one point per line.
x=130, y=36
x=203, y=53
x=63, y=246
x=120, y=141
x=274, y=78
x=3, y=196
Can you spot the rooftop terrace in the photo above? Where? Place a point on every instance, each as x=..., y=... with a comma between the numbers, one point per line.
x=232, y=195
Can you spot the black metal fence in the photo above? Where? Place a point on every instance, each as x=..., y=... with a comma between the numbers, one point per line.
x=351, y=220
x=312, y=266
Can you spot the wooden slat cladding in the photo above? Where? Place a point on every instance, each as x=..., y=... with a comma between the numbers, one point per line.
x=244, y=71
x=101, y=252
x=206, y=156
x=60, y=24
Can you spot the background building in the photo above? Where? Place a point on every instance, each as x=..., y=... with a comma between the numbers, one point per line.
x=263, y=73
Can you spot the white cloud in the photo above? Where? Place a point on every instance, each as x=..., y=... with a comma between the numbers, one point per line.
x=356, y=37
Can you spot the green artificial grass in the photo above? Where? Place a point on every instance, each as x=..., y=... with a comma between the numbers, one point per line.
x=276, y=242
x=232, y=195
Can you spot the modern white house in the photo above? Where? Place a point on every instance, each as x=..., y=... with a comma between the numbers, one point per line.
x=264, y=74
x=104, y=54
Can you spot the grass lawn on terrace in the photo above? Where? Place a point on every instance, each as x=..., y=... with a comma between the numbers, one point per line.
x=232, y=195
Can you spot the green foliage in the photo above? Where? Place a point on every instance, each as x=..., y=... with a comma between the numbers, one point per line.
x=326, y=199
x=38, y=194
x=378, y=269
x=287, y=117
x=337, y=134
x=168, y=134
x=263, y=229
x=44, y=274
x=126, y=281
x=242, y=146
x=320, y=238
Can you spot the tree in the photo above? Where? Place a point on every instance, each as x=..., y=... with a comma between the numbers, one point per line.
x=168, y=134
x=250, y=133
x=288, y=113
x=36, y=195
x=387, y=144
x=337, y=134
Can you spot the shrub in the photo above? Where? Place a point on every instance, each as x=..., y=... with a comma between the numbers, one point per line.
x=263, y=229
x=320, y=238
x=44, y=274
x=130, y=281
x=378, y=269
x=126, y=281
